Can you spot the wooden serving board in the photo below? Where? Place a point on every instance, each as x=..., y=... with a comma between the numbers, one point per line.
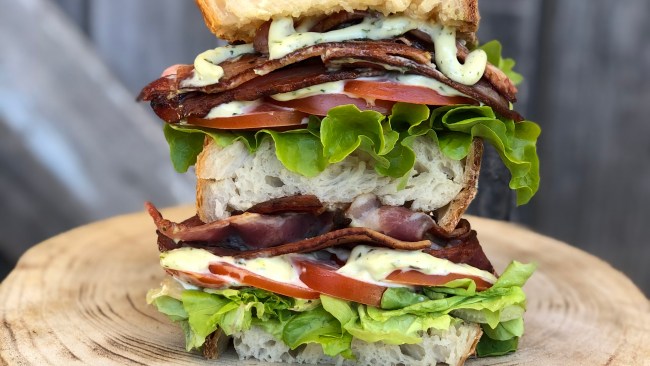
x=79, y=298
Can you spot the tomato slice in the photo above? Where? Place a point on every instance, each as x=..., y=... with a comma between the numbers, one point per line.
x=421, y=279
x=387, y=90
x=249, y=278
x=206, y=280
x=324, y=279
x=319, y=105
x=253, y=120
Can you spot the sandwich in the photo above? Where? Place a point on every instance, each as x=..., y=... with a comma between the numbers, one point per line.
x=336, y=146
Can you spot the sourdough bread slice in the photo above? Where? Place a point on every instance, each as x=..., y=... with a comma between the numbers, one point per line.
x=235, y=20
x=230, y=179
x=449, y=215
x=451, y=347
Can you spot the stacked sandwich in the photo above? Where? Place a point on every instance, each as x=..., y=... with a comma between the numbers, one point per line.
x=337, y=145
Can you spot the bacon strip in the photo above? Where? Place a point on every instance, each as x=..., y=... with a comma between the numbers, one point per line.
x=248, y=67
x=467, y=251
x=242, y=78
x=246, y=231
x=299, y=203
x=353, y=235
x=494, y=76
x=197, y=104
x=337, y=19
x=395, y=221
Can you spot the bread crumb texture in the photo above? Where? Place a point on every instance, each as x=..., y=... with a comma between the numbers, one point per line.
x=231, y=179
x=449, y=347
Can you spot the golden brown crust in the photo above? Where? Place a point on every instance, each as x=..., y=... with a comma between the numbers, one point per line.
x=449, y=215
x=215, y=344
x=236, y=20
x=200, y=183
x=472, y=348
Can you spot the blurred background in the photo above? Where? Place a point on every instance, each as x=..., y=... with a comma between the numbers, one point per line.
x=75, y=147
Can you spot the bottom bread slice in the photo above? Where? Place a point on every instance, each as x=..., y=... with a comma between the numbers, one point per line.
x=451, y=347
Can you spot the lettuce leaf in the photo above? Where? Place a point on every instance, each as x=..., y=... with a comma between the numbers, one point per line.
x=294, y=321
x=515, y=142
x=333, y=323
x=493, y=51
x=491, y=347
x=318, y=326
x=184, y=146
x=386, y=140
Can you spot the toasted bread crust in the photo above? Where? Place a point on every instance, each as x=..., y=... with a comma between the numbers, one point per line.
x=235, y=20
x=449, y=215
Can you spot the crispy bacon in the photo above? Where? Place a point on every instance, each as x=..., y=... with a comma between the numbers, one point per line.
x=468, y=250
x=299, y=203
x=248, y=67
x=497, y=78
x=395, y=221
x=353, y=235
x=253, y=235
x=254, y=76
x=261, y=41
x=246, y=231
x=197, y=104
x=337, y=20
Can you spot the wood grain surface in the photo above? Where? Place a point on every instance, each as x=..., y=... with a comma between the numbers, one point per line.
x=78, y=298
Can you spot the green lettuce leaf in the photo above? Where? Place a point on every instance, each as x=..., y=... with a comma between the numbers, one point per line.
x=171, y=307
x=386, y=140
x=332, y=323
x=493, y=51
x=491, y=347
x=515, y=142
x=505, y=330
x=184, y=146
x=299, y=151
x=318, y=326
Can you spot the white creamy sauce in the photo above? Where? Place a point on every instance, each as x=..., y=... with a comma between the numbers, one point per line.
x=284, y=39
x=334, y=64
x=198, y=260
x=365, y=263
x=417, y=80
x=338, y=87
x=307, y=23
x=373, y=264
x=334, y=87
x=206, y=65
x=468, y=73
x=233, y=108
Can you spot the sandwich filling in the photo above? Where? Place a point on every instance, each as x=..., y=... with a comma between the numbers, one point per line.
x=323, y=257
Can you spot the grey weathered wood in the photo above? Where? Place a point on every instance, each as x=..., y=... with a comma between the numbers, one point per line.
x=499, y=18
x=139, y=39
x=593, y=105
x=75, y=145
x=77, y=10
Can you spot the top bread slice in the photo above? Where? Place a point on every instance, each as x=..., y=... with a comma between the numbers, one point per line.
x=236, y=20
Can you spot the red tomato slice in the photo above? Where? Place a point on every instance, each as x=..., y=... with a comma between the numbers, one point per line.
x=251, y=279
x=319, y=105
x=324, y=279
x=386, y=90
x=253, y=120
x=206, y=280
x=421, y=279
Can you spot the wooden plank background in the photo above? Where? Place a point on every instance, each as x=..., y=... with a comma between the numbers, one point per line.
x=587, y=69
